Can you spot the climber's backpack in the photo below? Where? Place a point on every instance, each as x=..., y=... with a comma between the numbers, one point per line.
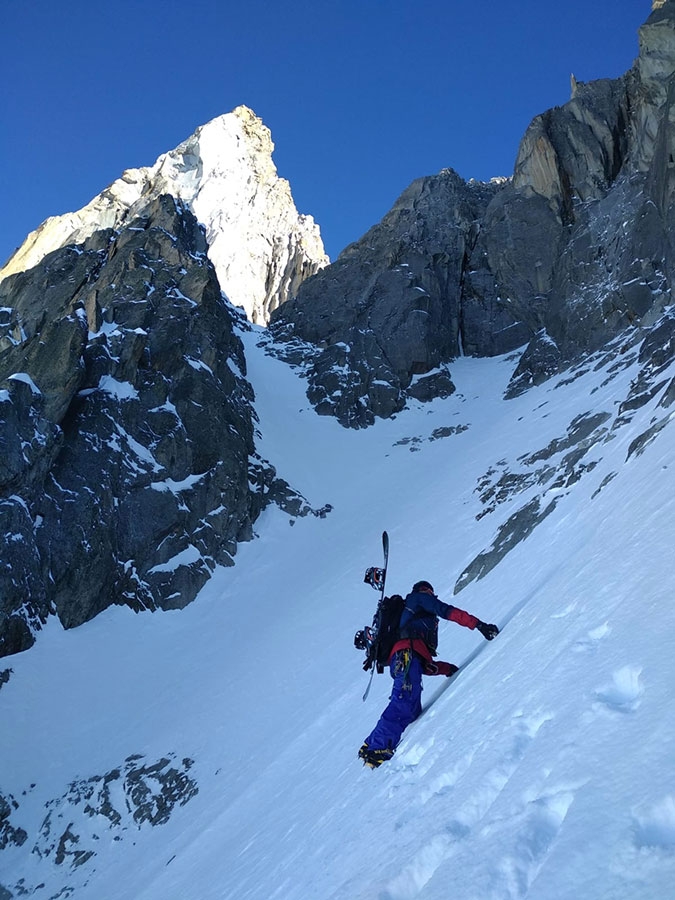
x=379, y=639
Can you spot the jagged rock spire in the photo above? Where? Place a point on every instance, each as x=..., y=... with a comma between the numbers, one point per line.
x=261, y=247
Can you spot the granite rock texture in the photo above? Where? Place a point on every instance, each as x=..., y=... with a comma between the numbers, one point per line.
x=573, y=249
x=128, y=469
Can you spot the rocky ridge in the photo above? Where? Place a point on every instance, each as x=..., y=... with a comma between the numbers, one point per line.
x=386, y=315
x=517, y=495
x=561, y=258
x=545, y=476
x=261, y=247
x=128, y=468
x=116, y=805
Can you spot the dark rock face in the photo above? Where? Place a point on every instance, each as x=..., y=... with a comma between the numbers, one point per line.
x=127, y=465
x=542, y=477
x=589, y=211
x=150, y=793
x=136, y=795
x=9, y=834
x=389, y=309
x=128, y=468
x=515, y=530
x=574, y=249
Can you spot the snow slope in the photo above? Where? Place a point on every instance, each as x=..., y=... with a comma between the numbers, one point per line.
x=543, y=770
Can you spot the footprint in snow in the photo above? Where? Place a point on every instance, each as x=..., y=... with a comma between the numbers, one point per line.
x=534, y=833
x=446, y=781
x=413, y=754
x=655, y=828
x=624, y=692
x=562, y=613
x=526, y=728
x=547, y=812
x=476, y=807
x=427, y=789
x=421, y=867
x=592, y=639
x=410, y=764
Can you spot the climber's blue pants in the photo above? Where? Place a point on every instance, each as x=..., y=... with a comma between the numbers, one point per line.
x=405, y=702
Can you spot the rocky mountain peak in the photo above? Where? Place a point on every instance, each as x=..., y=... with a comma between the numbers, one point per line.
x=261, y=247
x=128, y=469
x=123, y=376
x=573, y=250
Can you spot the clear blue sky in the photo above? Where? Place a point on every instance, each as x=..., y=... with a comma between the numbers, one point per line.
x=361, y=96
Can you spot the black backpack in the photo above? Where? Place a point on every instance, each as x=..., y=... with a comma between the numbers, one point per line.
x=379, y=639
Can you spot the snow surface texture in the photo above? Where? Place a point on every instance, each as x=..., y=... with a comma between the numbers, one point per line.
x=219, y=743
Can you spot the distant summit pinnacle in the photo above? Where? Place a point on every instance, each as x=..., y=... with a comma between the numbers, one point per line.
x=261, y=247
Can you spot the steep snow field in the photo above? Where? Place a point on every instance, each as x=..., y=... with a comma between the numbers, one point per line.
x=544, y=770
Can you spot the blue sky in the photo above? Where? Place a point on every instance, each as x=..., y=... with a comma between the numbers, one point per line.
x=361, y=96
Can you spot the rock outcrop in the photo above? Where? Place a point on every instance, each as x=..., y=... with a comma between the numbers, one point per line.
x=128, y=469
x=611, y=188
x=573, y=249
x=136, y=795
x=388, y=313
x=262, y=249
